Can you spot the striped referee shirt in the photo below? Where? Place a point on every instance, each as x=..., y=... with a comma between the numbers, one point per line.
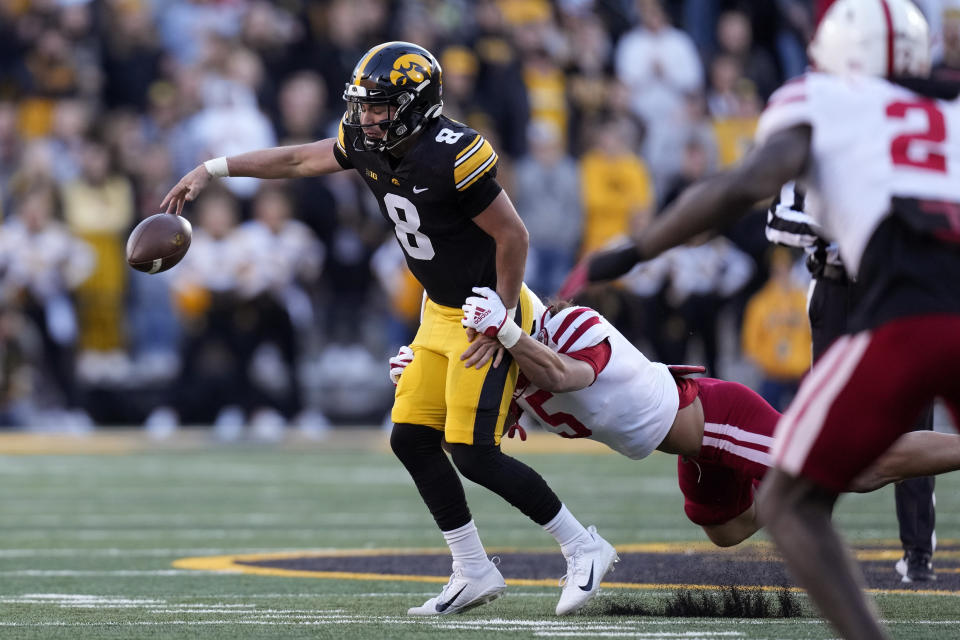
x=789, y=225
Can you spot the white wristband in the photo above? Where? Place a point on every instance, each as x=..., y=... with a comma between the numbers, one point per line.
x=509, y=333
x=217, y=167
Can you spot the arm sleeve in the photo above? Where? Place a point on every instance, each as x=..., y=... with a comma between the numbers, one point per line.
x=596, y=356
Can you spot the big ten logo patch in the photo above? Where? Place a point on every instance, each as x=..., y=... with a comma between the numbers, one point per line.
x=371, y=174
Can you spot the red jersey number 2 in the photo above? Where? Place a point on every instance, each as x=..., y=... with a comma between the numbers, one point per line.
x=927, y=150
x=536, y=400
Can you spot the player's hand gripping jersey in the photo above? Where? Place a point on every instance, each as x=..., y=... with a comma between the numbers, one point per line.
x=629, y=407
x=882, y=181
x=430, y=195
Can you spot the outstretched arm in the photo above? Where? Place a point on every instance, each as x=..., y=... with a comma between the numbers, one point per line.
x=549, y=370
x=297, y=161
x=711, y=203
x=734, y=531
x=914, y=454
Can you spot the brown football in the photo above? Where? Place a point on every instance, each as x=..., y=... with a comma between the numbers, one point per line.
x=158, y=243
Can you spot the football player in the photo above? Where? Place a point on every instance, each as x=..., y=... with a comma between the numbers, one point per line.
x=580, y=378
x=875, y=142
x=435, y=181
x=832, y=294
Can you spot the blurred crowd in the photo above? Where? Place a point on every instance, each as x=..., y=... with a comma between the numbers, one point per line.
x=293, y=294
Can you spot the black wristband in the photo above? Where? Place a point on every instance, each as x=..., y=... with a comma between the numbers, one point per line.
x=609, y=265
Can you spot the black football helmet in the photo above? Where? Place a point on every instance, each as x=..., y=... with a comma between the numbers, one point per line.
x=399, y=74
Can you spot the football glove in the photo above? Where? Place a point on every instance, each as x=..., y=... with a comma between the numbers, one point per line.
x=486, y=314
x=399, y=362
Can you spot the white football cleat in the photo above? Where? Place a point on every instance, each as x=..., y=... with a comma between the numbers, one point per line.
x=586, y=567
x=464, y=591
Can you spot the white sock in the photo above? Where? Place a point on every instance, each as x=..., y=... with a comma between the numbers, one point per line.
x=465, y=545
x=567, y=530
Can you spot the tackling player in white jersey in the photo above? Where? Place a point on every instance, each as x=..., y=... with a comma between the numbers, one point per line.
x=877, y=146
x=580, y=378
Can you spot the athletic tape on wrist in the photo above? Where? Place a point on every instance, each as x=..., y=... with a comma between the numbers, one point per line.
x=217, y=167
x=509, y=333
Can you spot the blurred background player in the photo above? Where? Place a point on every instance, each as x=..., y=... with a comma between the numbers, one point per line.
x=434, y=179
x=832, y=296
x=891, y=207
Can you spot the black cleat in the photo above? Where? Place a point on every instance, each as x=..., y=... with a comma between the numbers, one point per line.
x=915, y=566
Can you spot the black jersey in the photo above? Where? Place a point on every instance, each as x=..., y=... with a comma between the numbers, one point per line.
x=431, y=195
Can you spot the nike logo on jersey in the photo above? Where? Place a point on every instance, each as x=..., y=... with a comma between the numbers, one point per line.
x=589, y=585
x=420, y=190
x=443, y=606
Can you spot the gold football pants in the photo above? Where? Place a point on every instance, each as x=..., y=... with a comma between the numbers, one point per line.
x=469, y=405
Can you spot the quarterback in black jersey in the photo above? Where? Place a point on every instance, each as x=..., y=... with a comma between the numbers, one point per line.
x=435, y=181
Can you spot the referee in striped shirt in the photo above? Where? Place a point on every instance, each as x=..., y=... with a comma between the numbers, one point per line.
x=830, y=299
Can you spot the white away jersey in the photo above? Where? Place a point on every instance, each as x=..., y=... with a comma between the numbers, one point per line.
x=631, y=405
x=872, y=140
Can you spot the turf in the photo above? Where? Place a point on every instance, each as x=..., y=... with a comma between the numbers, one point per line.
x=88, y=542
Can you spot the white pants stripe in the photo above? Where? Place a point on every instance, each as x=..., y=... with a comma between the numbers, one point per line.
x=737, y=433
x=754, y=455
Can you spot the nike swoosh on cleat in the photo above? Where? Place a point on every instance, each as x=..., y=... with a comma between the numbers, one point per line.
x=421, y=190
x=589, y=585
x=443, y=606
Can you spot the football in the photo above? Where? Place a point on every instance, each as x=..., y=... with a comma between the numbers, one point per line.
x=158, y=242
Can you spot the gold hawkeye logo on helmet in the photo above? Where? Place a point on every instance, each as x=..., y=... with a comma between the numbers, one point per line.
x=410, y=67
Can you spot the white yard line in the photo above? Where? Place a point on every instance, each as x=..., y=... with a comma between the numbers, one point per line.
x=146, y=552
x=76, y=573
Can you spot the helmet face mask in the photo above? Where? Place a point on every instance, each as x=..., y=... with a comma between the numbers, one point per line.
x=886, y=38
x=404, y=77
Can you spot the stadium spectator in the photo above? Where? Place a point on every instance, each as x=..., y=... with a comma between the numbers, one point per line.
x=735, y=39
x=98, y=207
x=547, y=195
x=500, y=88
x=617, y=188
x=303, y=110
x=199, y=78
x=214, y=382
x=11, y=148
x=20, y=351
x=776, y=333
x=702, y=276
x=42, y=264
x=277, y=257
x=131, y=56
x=660, y=65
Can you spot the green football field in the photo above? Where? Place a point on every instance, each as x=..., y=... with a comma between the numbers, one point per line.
x=111, y=537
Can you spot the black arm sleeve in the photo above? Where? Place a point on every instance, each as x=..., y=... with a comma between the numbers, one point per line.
x=609, y=265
